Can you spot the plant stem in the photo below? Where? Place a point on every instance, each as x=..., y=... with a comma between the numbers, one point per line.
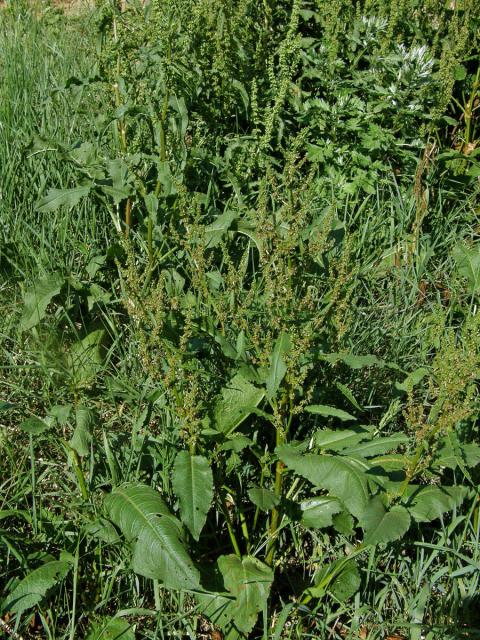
x=34, y=484
x=275, y=516
x=231, y=532
x=74, y=594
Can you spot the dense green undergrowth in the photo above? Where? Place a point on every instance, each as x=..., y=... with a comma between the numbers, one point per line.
x=240, y=342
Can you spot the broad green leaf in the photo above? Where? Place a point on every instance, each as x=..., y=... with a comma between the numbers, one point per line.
x=84, y=359
x=35, y=586
x=6, y=406
x=431, y=502
x=237, y=444
x=468, y=264
x=250, y=230
x=376, y=446
x=343, y=523
x=129, y=504
x=237, y=402
x=391, y=462
x=216, y=604
x=329, y=412
x=448, y=455
x=249, y=580
x=349, y=395
x=278, y=366
x=61, y=413
x=151, y=204
x=341, y=578
x=413, y=378
x=353, y=361
x=318, y=512
x=102, y=529
x=55, y=198
x=193, y=485
x=263, y=498
x=381, y=525
x=460, y=72
x=38, y=298
x=339, y=439
x=96, y=263
x=111, y=629
x=342, y=478
x=82, y=436
x=346, y=583
x=34, y=425
x=215, y=231
x=158, y=551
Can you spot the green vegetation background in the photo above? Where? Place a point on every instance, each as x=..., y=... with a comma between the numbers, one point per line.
x=229, y=231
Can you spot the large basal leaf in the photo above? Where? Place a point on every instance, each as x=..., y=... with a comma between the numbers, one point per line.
x=158, y=551
x=35, y=586
x=428, y=503
x=344, y=479
x=111, y=629
x=278, y=365
x=216, y=604
x=193, y=484
x=56, y=198
x=381, y=525
x=238, y=401
x=318, y=512
x=129, y=504
x=249, y=580
x=37, y=299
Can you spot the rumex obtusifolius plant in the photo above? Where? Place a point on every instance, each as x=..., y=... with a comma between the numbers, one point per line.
x=236, y=273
